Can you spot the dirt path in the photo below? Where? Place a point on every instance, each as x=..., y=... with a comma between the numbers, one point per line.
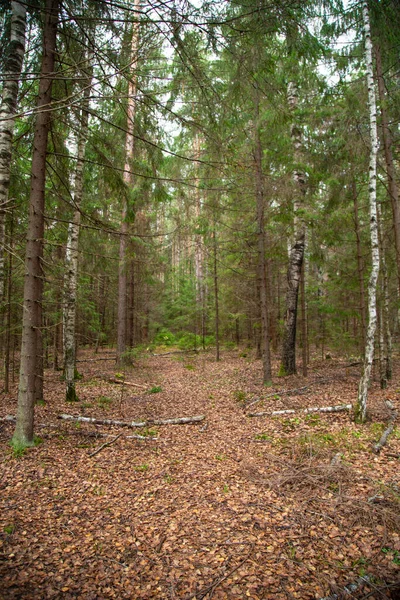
x=231, y=507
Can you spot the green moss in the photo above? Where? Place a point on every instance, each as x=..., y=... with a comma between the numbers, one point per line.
x=71, y=395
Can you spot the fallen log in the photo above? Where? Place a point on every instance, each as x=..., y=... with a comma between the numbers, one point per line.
x=132, y=424
x=291, y=411
x=389, y=429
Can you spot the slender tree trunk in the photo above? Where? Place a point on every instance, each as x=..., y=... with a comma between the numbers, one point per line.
x=9, y=312
x=23, y=435
x=129, y=183
x=385, y=338
x=71, y=257
x=304, y=333
x=8, y=106
x=262, y=273
x=360, y=265
x=216, y=294
x=390, y=170
x=361, y=406
x=288, y=364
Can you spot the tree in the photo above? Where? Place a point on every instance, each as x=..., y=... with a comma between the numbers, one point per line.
x=12, y=71
x=361, y=407
x=128, y=181
x=33, y=286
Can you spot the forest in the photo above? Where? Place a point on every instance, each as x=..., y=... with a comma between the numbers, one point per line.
x=199, y=299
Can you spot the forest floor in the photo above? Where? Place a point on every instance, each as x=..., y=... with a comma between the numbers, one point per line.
x=230, y=507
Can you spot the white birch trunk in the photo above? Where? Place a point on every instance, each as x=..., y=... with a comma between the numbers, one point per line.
x=71, y=258
x=361, y=406
x=129, y=183
x=296, y=257
x=13, y=66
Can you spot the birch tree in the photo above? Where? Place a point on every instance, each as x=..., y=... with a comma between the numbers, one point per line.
x=33, y=285
x=71, y=258
x=296, y=257
x=12, y=71
x=361, y=406
x=129, y=182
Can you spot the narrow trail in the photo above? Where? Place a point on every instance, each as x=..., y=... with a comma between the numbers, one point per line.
x=232, y=507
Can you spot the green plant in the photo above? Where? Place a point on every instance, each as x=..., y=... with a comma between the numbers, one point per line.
x=168, y=478
x=41, y=402
x=313, y=419
x=147, y=432
x=225, y=489
x=190, y=367
x=290, y=424
x=263, y=437
x=240, y=397
x=155, y=390
x=220, y=457
x=104, y=401
x=395, y=554
x=141, y=468
x=9, y=529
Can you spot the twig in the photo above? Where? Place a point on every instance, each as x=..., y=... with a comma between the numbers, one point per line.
x=105, y=445
x=211, y=588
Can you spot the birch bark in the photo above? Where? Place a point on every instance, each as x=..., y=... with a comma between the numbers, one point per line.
x=13, y=66
x=288, y=363
x=71, y=258
x=361, y=406
x=129, y=182
x=33, y=287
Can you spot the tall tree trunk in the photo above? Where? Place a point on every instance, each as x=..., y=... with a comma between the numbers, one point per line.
x=361, y=406
x=33, y=288
x=129, y=182
x=262, y=266
x=288, y=364
x=9, y=311
x=216, y=292
x=360, y=265
x=12, y=72
x=304, y=332
x=390, y=170
x=71, y=257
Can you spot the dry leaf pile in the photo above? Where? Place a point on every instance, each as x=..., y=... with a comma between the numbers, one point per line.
x=292, y=506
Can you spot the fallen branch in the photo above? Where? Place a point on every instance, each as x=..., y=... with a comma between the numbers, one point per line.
x=10, y=418
x=105, y=445
x=176, y=421
x=211, y=588
x=324, y=409
x=128, y=383
x=385, y=435
x=80, y=360
x=350, y=588
x=281, y=393
x=176, y=352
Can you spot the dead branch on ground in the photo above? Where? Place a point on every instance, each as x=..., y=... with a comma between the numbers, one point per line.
x=105, y=445
x=291, y=411
x=389, y=429
x=174, y=421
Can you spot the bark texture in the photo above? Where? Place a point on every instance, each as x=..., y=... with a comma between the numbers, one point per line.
x=8, y=106
x=129, y=182
x=296, y=257
x=361, y=406
x=71, y=258
x=262, y=263
x=390, y=170
x=33, y=285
